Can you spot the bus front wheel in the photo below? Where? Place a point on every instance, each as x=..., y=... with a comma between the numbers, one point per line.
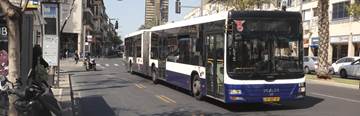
x=196, y=87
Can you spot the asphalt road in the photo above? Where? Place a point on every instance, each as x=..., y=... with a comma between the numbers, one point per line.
x=112, y=91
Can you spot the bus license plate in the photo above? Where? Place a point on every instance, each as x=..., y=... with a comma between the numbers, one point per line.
x=271, y=99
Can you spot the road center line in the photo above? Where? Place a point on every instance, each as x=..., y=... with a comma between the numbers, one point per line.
x=163, y=99
x=116, y=64
x=167, y=98
x=138, y=86
x=341, y=98
x=107, y=65
x=141, y=85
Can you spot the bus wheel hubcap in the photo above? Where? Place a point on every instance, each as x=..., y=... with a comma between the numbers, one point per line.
x=196, y=87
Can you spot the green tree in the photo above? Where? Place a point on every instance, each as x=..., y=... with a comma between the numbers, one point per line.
x=323, y=31
x=354, y=10
x=117, y=40
x=246, y=4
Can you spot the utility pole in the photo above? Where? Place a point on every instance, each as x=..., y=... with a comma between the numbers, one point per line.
x=201, y=7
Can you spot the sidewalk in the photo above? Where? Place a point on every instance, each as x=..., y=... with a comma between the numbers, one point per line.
x=334, y=81
x=63, y=92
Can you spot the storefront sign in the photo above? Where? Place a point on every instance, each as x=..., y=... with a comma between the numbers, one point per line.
x=356, y=38
x=4, y=62
x=314, y=42
x=339, y=39
x=49, y=10
x=33, y=4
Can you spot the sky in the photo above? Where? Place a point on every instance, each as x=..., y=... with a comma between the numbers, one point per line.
x=131, y=13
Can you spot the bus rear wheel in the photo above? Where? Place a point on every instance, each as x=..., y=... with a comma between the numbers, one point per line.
x=196, y=87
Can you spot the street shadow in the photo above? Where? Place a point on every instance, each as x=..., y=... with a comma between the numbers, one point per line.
x=73, y=71
x=94, y=85
x=177, y=112
x=99, y=88
x=94, y=106
x=305, y=103
x=94, y=75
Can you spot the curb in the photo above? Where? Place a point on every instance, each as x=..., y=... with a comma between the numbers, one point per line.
x=331, y=83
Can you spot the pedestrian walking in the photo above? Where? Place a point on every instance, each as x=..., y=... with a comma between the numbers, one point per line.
x=76, y=58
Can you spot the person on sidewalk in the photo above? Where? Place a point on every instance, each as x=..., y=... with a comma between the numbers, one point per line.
x=76, y=58
x=39, y=66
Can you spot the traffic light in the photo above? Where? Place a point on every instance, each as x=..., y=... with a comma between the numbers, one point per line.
x=116, y=25
x=178, y=7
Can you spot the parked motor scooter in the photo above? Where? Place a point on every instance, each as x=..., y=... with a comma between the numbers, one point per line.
x=36, y=100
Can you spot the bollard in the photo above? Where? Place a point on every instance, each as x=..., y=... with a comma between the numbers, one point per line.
x=71, y=95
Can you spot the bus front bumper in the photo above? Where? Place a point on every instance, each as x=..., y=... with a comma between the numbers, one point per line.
x=264, y=93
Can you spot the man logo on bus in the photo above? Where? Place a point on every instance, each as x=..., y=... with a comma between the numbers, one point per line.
x=239, y=25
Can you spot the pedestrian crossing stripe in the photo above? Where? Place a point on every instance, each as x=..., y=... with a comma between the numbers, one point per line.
x=106, y=65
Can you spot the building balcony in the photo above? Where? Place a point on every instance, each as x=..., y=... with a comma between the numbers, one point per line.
x=88, y=19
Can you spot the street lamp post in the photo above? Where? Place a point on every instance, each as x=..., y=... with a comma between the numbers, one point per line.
x=201, y=7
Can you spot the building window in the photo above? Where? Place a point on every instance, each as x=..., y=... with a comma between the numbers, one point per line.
x=315, y=12
x=289, y=3
x=306, y=15
x=340, y=10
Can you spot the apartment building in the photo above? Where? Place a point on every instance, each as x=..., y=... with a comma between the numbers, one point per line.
x=344, y=29
x=156, y=12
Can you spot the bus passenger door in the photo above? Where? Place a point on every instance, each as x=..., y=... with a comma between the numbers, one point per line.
x=215, y=65
x=162, y=57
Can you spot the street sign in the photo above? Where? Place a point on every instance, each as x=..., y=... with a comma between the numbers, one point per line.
x=51, y=35
x=33, y=4
x=4, y=62
x=50, y=50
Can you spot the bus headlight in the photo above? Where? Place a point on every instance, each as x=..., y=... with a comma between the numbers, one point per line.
x=235, y=92
x=302, y=87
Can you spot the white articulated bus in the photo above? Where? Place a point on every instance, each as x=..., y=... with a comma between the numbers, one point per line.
x=234, y=57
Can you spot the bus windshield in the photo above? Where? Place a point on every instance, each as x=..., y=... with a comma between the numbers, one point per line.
x=264, y=48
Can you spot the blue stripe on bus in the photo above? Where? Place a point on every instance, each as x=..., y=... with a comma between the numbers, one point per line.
x=184, y=81
x=178, y=79
x=255, y=93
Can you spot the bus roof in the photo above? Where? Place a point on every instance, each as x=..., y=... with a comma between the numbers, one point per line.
x=193, y=21
x=136, y=33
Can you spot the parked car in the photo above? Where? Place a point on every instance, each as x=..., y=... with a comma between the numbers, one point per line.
x=352, y=70
x=335, y=67
x=310, y=64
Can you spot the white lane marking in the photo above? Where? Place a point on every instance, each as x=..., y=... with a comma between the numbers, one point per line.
x=107, y=65
x=341, y=98
x=98, y=64
x=116, y=64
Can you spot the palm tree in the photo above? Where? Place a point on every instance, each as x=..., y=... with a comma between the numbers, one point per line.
x=323, y=30
x=246, y=4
